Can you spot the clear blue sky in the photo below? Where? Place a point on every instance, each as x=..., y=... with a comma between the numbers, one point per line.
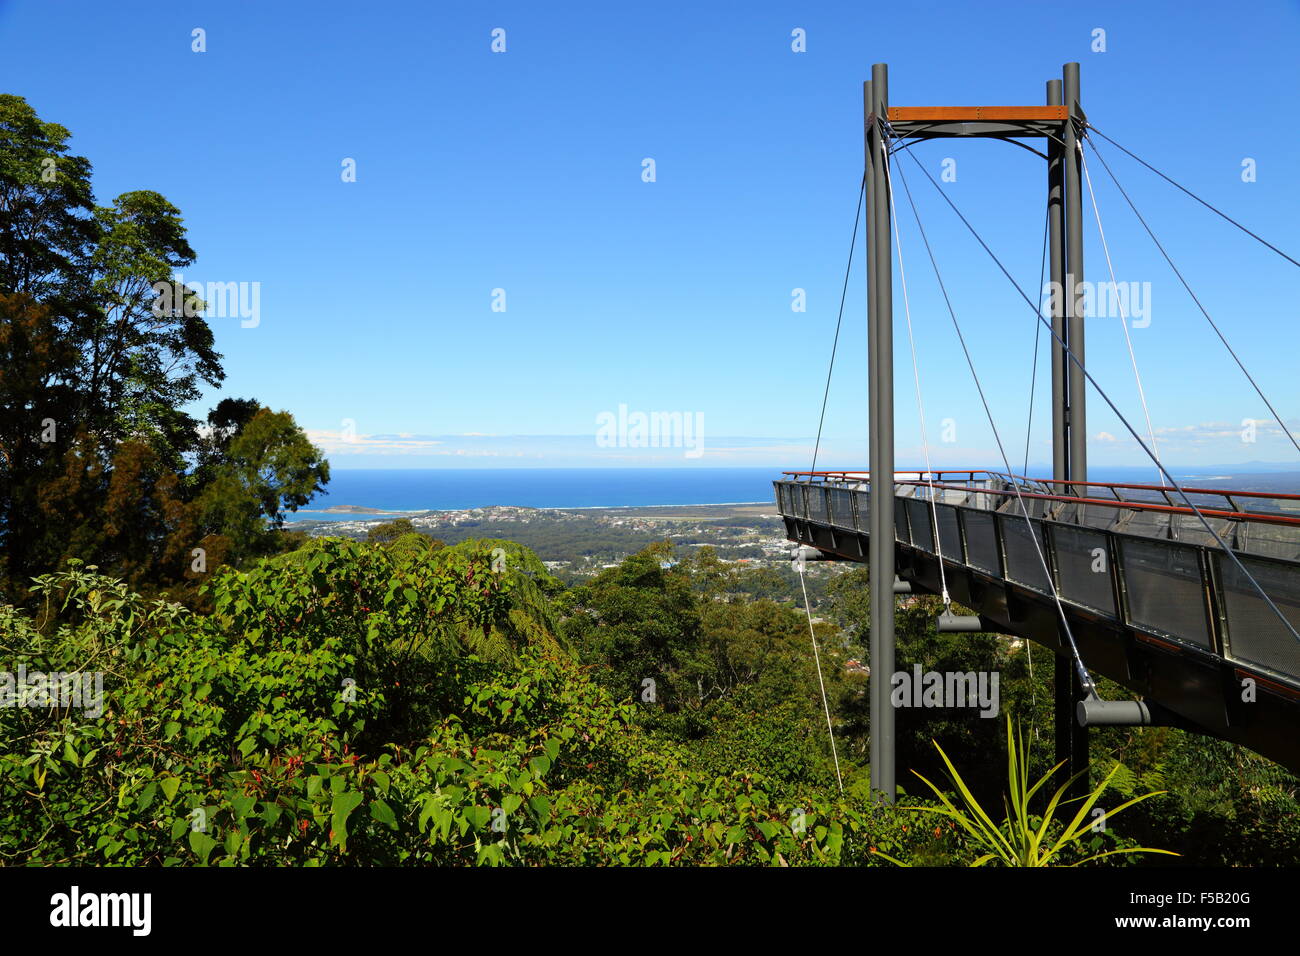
x=523, y=171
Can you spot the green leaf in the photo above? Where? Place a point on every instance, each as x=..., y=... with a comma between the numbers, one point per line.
x=383, y=813
x=541, y=807
x=146, y=798
x=202, y=845
x=341, y=808
x=477, y=816
x=169, y=787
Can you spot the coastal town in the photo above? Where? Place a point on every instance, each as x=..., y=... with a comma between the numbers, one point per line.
x=582, y=541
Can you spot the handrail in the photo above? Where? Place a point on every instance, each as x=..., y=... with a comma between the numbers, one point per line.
x=1058, y=481
x=1238, y=514
x=1134, y=505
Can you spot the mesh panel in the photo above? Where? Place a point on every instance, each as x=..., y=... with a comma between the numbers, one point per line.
x=1034, y=507
x=1165, y=593
x=1270, y=540
x=918, y=517
x=1083, y=567
x=1255, y=635
x=1190, y=529
x=1066, y=513
x=794, y=495
x=949, y=533
x=864, y=508
x=901, y=532
x=1037, y=507
x=1149, y=524
x=1097, y=516
x=841, y=508
x=1023, y=563
x=952, y=496
x=981, y=541
x=817, y=504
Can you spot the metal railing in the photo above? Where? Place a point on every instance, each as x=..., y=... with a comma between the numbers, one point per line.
x=1146, y=562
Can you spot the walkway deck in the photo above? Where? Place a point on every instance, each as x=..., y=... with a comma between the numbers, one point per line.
x=1153, y=602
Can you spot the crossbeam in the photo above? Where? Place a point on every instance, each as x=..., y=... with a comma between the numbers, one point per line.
x=987, y=114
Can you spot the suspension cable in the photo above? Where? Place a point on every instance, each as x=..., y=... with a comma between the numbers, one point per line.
x=1085, y=678
x=1217, y=212
x=862, y=190
x=1106, y=398
x=1123, y=317
x=1214, y=325
x=916, y=378
x=1038, y=331
x=830, y=730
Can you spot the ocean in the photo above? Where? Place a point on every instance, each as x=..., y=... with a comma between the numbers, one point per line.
x=449, y=489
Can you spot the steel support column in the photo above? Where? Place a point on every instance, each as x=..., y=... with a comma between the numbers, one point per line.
x=1074, y=276
x=881, y=370
x=1056, y=275
x=1072, y=446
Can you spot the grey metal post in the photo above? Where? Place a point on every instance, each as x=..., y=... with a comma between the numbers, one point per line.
x=1074, y=276
x=881, y=370
x=1056, y=272
x=1071, y=735
x=869, y=107
x=873, y=385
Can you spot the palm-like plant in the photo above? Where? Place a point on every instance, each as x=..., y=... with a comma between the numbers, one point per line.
x=1023, y=839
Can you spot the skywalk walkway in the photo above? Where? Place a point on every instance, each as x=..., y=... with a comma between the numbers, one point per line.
x=1152, y=600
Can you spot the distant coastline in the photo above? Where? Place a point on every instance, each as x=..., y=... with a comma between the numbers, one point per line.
x=392, y=493
x=395, y=493
x=359, y=513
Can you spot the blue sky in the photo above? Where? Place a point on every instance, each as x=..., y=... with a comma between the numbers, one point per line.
x=522, y=171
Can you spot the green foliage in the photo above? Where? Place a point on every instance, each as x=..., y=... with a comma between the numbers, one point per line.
x=373, y=704
x=337, y=709
x=99, y=460
x=389, y=531
x=1026, y=838
x=267, y=468
x=1224, y=805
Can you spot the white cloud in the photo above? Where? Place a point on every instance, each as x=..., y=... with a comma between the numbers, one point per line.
x=336, y=443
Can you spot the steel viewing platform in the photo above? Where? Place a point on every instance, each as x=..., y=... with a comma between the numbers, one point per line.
x=1153, y=602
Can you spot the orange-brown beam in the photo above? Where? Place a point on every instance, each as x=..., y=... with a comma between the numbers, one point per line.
x=988, y=114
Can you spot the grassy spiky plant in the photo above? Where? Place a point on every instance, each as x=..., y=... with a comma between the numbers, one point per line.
x=1023, y=839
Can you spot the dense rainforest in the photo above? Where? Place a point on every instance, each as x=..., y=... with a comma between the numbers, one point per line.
x=240, y=695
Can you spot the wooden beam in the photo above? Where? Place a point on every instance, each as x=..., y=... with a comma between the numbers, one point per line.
x=988, y=114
